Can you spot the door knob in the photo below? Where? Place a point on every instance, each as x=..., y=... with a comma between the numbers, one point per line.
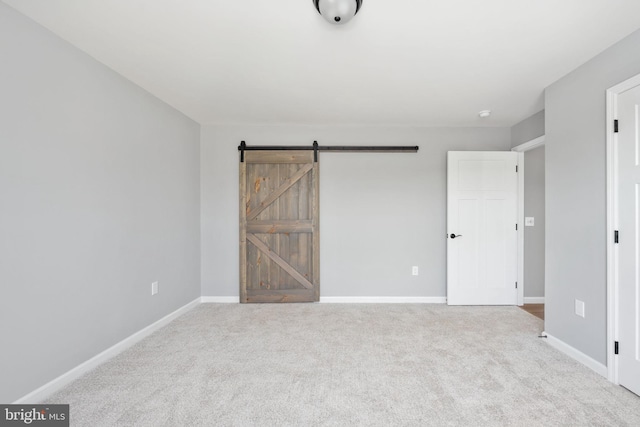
x=453, y=236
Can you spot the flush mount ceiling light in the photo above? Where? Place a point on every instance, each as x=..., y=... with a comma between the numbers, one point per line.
x=484, y=114
x=338, y=11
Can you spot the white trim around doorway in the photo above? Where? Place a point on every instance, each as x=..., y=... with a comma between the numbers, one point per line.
x=521, y=149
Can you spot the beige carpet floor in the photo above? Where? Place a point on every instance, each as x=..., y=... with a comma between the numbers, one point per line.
x=344, y=365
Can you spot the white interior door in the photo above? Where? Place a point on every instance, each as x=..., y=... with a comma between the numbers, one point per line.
x=482, y=190
x=629, y=240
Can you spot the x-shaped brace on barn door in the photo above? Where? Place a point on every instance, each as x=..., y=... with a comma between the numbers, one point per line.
x=279, y=226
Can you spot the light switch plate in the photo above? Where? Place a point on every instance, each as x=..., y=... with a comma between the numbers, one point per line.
x=579, y=308
x=528, y=221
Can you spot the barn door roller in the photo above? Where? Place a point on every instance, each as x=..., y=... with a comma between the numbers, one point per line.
x=317, y=148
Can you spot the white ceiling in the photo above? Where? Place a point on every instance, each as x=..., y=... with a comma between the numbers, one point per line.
x=398, y=62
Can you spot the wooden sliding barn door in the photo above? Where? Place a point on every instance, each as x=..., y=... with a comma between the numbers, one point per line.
x=279, y=233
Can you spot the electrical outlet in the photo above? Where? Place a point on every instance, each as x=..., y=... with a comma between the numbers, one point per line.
x=154, y=288
x=529, y=221
x=579, y=308
x=414, y=270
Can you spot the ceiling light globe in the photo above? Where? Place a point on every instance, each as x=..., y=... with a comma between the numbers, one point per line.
x=338, y=12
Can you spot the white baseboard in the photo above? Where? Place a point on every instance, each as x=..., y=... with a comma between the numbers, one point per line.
x=565, y=348
x=56, y=384
x=224, y=300
x=534, y=300
x=385, y=300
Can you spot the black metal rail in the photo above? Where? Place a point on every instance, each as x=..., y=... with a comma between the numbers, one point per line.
x=316, y=148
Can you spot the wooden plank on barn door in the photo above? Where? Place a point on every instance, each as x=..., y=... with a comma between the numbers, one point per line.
x=279, y=245
x=315, y=245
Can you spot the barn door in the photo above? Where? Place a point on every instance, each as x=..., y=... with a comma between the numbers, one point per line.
x=279, y=234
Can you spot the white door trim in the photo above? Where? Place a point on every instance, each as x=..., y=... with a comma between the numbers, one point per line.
x=521, y=149
x=529, y=145
x=612, y=222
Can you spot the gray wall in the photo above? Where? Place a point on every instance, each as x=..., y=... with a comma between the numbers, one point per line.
x=380, y=214
x=534, y=236
x=576, y=198
x=99, y=196
x=528, y=129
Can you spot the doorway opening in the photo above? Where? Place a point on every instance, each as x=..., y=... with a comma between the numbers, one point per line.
x=531, y=235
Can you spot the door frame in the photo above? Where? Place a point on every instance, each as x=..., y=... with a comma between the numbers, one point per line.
x=521, y=149
x=612, y=222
